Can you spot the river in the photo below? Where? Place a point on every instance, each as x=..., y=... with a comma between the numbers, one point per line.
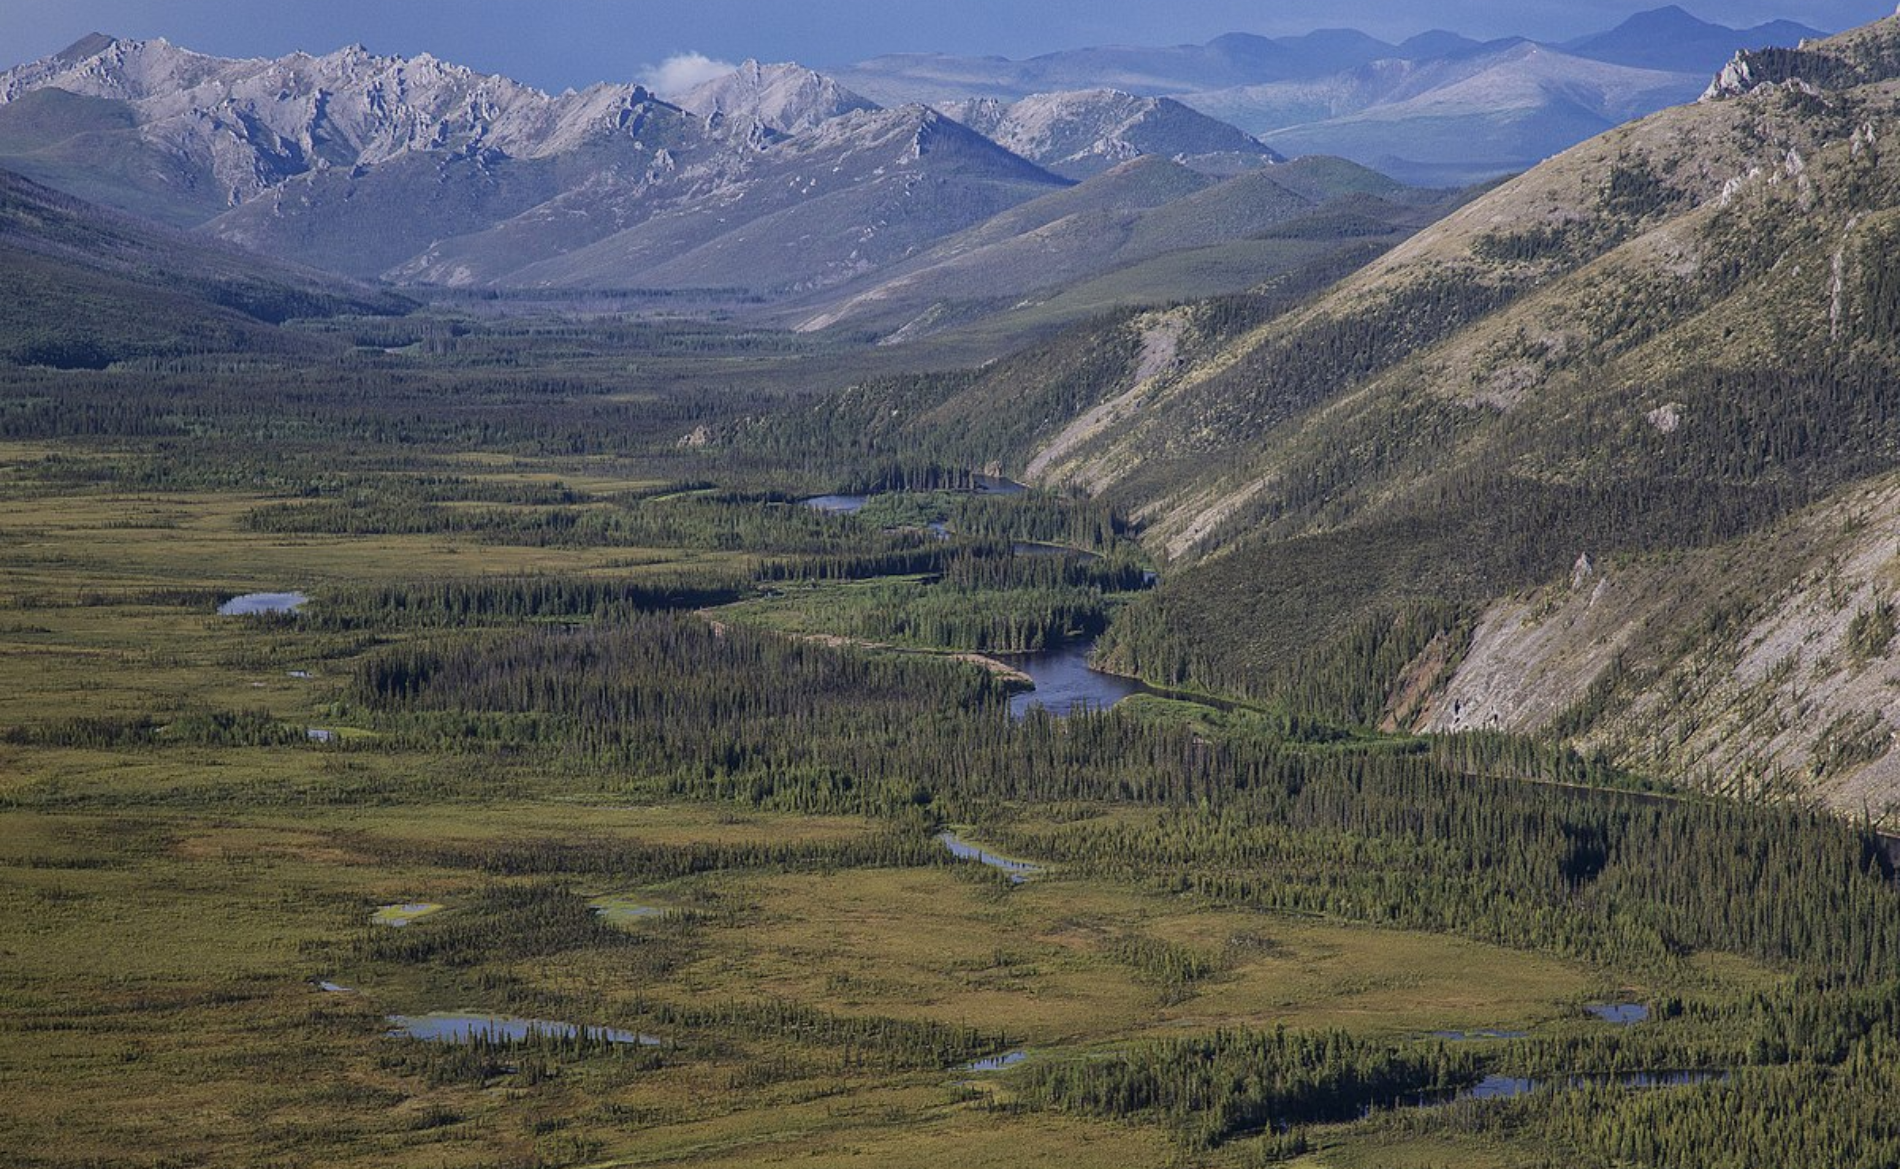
x=1065, y=683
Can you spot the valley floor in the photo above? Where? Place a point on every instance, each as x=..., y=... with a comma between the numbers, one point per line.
x=188, y=876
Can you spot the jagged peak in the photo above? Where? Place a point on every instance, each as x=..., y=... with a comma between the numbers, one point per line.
x=787, y=97
x=1078, y=96
x=90, y=45
x=1858, y=56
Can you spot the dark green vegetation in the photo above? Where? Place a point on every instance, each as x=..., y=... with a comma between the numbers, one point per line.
x=673, y=750
x=492, y=716
x=81, y=288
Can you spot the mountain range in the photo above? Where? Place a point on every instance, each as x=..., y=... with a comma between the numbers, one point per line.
x=771, y=180
x=1667, y=39
x=1438, y=109
x=774, y=182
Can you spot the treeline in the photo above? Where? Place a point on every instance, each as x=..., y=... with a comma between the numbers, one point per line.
x=536, y=1057
x=200, y=727
x=1019, y=620
x=990, y=604
x=897, y=846
x=457, y=602
x=357, y=409
x=1233, y=1082
x=973, y=564
x=705, y=522
x=857, y=1041
x=965, y=418
x=1836, y=1116
x=1620, y=880
x=500, y=922
x=1043, y=517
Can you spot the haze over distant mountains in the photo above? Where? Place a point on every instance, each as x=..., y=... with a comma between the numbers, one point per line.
x=1439, y=108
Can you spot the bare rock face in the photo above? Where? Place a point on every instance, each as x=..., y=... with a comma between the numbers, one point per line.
x=789, y=99
x=1861, y=56
x=255, y=123
x=1736, y=78
x=417, y=169
x=1086, y=132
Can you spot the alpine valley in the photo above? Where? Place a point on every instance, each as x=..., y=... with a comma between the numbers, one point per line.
x=1309, y=601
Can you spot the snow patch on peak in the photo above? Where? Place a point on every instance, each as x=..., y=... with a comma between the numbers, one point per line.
x=788, y=98
x=1083, y=132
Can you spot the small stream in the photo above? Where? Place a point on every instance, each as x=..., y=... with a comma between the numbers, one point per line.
x=853, y=504
x=1008, y=1059
x=1064, y=683
x=837, y=504
x=1019, y=871
x=398, y=916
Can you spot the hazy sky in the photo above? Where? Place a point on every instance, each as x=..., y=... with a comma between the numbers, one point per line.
x=557, y=43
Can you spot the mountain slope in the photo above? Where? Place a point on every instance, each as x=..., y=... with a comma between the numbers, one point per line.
x=241, y=127
x=1455, y=119
x=859, y=191
x=81, y=286
x=1225, y=61
x=91, y=147
x=1440, y=109
x=1665, y=360
x=1085, y=133
x=777, y=180
x=787, y=98
x=1673, y=40
x=1137, y=212
x=372, y=220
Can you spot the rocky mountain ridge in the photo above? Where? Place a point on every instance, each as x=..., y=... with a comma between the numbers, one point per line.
x=422, y=171
x=1085, y=132
x=786, y=98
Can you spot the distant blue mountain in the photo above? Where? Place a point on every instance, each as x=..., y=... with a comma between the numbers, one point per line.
x=1677, y=41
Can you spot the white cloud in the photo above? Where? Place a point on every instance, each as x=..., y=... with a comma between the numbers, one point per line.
x=682, y=71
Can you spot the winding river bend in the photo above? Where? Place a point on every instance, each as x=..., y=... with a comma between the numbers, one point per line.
x=1064, y=682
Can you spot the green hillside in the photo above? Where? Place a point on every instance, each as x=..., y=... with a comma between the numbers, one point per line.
x=1149, y=232
x=1669, y=339
x=83, y=287
x=91, y=148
